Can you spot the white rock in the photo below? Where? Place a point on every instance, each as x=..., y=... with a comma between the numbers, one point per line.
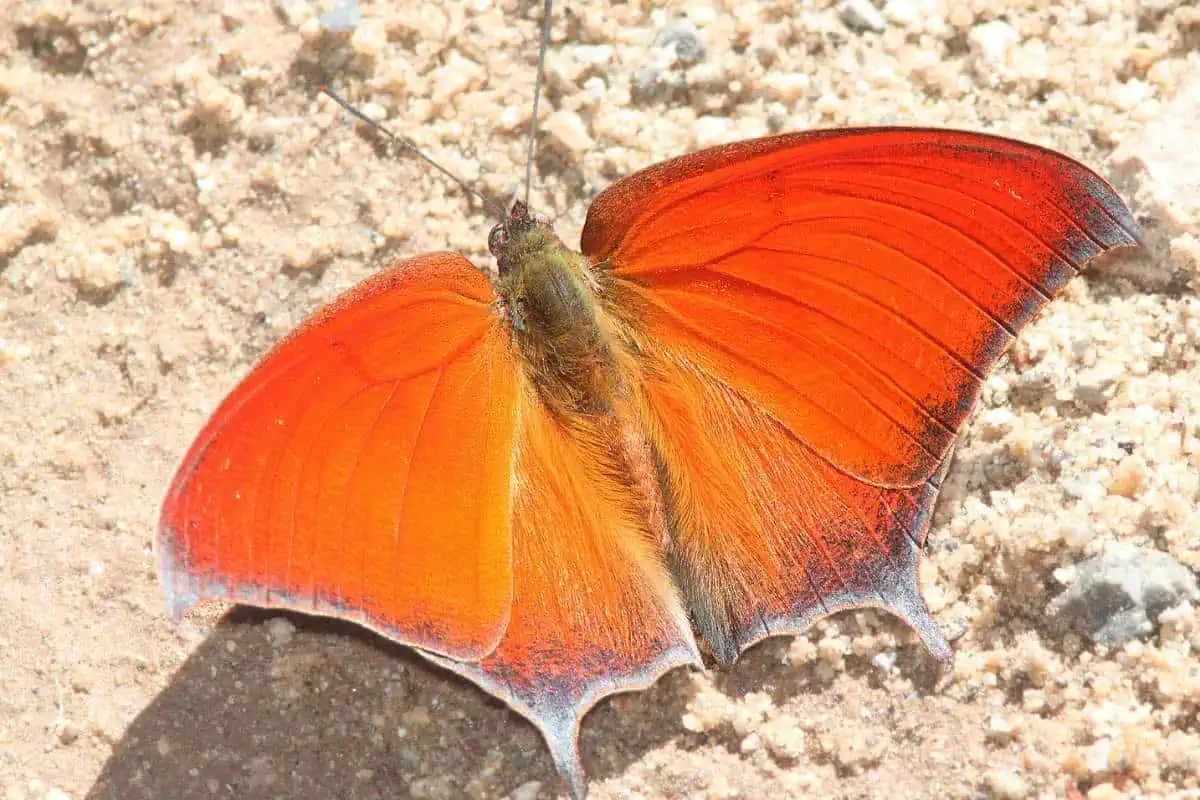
x=97, y=272
x=904, y=13
x=565, y=130
x=787, y=87
x=1004, y=784
x=1000, y=730
x=682, y=41
x=1096, y=759
x=1117, y=596
x=530, y=790
x=884, y=660
x=709, y=131
x=1164, y=159
x=992, y=42
x=457, y=76
x=593, y=55
x=280, y=631
x=996, y=423
x=342, y=17
x=370, y=40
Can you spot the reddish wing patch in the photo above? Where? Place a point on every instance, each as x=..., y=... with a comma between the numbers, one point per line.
x=363, y=469
x=855, y=285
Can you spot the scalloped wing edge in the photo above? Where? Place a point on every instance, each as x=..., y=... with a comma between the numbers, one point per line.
x=558, y=718
x=184, y=590
x=901, y=596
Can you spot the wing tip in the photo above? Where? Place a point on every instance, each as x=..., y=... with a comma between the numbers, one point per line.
x=563, y=743
x=1107, y=217
x=910, y=607
x=907, y=605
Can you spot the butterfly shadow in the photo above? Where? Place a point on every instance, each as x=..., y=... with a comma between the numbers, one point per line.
x=284, y=705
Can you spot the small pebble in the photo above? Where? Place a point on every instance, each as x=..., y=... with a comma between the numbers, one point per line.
x=992, y=42
x=343, y=16
x=68, y=733
x=1005, y=784
x=1160, y=156
x=884, y=660
x=1105, y=791
x=96, y=272
x=530, y=790
x=681, y=39
x=1000, y=730
x=1116, y=597
x=280, y=631
x=853, y=753
x=903, y=13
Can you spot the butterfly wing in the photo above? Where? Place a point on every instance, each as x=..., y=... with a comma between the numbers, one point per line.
x=816, y=314
x=390, y=463
x=363, y=469
x=857, y=285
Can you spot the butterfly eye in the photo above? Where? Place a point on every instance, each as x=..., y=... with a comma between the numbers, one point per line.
x=497, y=239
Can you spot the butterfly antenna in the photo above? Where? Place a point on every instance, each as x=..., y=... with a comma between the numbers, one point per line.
x=492, y=206
x=537, y=96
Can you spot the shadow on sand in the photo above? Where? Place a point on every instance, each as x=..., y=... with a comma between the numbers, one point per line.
x=335, y=711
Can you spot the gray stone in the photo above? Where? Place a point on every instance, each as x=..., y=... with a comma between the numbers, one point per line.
x=682, y=39
x=861, y=15
x=1118, y=595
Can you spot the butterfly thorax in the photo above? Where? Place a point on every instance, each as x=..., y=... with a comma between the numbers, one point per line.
x=551, y=304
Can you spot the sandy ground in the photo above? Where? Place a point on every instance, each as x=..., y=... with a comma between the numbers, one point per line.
x=176, y=196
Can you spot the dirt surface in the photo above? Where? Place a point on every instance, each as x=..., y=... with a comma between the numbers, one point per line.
x=176, y=197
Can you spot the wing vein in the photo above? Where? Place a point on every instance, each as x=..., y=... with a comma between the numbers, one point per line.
x=407, y=476
x=829, y=187
x=849, y=358
x=967, y=175
x=821, y=278
x=716, y=345
x=1016, y=273
x=927, y=268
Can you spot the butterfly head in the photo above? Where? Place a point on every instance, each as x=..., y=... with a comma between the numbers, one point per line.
x=511, y=238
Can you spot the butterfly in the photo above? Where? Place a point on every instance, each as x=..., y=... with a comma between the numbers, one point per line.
x=725, y=417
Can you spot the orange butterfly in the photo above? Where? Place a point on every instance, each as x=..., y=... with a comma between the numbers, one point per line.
x=726, y=417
